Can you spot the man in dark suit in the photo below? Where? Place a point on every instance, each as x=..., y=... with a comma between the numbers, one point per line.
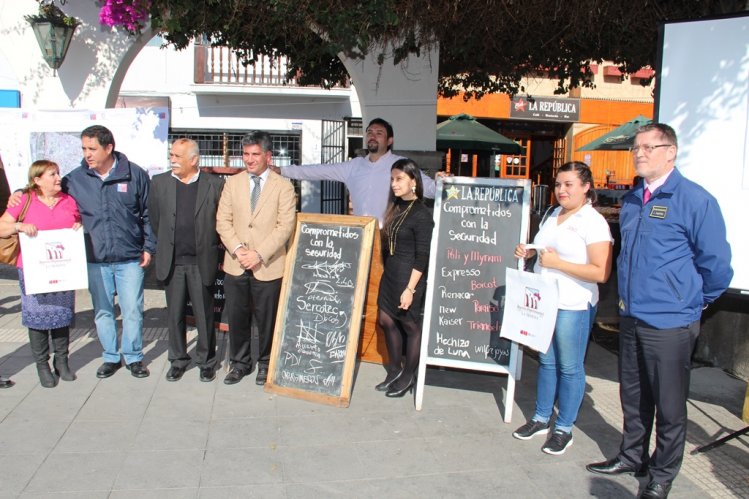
x=183, y=206
x=255, y=220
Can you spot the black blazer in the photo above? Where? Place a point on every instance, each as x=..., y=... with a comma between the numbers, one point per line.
x=162, y=207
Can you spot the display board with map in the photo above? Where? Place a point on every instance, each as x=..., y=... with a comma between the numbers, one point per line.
x=28, y=135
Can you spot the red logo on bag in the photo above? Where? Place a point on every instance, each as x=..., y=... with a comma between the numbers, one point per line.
x=532, y=297
x=524, y=333
x=55, y=251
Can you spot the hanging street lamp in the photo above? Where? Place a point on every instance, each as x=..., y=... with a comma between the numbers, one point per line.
x=53, y=30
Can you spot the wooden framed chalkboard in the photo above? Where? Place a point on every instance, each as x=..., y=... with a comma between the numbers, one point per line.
x=320, y=310
x=478, y=223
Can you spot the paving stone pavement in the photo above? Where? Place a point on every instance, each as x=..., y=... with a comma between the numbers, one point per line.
x=128, y=437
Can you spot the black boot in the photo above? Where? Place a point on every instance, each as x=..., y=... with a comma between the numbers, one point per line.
x=61, y=341
x=39, y=344
x=46, y=378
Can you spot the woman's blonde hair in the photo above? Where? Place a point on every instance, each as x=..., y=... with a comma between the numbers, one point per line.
x=37, y=169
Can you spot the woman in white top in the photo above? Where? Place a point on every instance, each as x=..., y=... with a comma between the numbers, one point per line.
x=577, y=251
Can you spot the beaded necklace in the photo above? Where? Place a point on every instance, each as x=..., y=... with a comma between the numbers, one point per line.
x=394, y=227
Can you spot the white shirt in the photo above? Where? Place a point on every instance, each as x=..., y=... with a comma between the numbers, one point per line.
x=104, y=176
x=263, y=177
x=652, y=187
x=192, y=180
x=571, y=240
x=368, y=181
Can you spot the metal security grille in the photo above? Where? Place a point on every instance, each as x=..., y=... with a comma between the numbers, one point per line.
x=224, y=149
x=333, y=197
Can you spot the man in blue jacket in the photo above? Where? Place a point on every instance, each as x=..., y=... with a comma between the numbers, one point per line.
x=674, y=261
x=112, y=196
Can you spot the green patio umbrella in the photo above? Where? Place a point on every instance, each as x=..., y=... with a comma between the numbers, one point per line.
x=620, y=138
x=463, y=132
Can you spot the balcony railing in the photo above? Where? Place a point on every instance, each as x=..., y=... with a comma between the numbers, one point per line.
x=221, y=65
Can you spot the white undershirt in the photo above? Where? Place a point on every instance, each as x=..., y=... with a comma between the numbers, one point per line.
x=571, y=239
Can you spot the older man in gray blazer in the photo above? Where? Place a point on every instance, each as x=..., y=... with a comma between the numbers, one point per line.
x=183, y=206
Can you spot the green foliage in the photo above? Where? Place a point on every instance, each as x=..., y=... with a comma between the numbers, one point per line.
x=485, y=45
x=51, y=13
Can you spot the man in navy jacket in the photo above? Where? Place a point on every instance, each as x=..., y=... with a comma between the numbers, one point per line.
x=112, y=197
x=674, y=261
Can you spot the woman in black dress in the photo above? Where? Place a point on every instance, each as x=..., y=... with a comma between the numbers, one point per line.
x=406, y=237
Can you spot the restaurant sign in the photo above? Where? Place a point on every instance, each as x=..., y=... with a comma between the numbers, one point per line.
x=545, y=108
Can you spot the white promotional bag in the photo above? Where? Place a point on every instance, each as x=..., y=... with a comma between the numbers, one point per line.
x=531, y=302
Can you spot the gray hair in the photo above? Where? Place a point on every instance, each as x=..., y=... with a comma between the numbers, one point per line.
x=261, y=139
x=192, y=147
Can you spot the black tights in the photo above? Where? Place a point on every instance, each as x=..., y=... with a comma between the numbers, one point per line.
x=394, y=330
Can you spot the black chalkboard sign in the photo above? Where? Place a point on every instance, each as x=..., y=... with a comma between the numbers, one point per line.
x=478, y=223
x=319, y=316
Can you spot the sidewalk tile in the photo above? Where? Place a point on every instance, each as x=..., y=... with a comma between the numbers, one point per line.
x=78, y=471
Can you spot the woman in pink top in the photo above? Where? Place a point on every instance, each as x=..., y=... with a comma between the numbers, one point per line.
x=45, y=314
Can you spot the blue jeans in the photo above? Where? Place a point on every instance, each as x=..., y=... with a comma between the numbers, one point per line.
x=561, y=373
x=126, y=279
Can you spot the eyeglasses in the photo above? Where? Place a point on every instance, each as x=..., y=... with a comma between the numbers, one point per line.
x=647, y=148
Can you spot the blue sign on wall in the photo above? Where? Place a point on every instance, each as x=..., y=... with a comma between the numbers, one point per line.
x=10, y=98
